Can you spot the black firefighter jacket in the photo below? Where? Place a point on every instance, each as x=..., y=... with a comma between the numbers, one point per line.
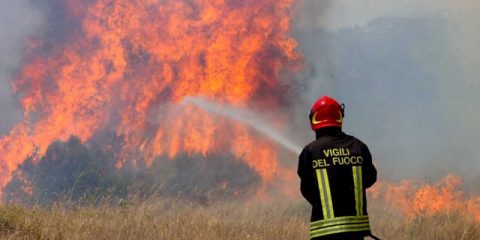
x=334, y=171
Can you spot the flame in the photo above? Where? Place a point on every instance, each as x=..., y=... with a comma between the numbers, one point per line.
x=124, y=66
x=416, y=199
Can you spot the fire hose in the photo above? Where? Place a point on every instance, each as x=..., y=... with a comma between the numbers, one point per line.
x=374, y=237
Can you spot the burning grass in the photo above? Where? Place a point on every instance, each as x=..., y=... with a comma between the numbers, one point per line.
x=388, y=223
x=154, y=219
x=165, y=218
x=75, y=191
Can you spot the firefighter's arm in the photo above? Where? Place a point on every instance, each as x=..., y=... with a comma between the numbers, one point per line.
x=370, y=173
x=304, y=172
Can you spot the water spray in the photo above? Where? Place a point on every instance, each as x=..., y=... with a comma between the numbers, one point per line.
x=248, y=117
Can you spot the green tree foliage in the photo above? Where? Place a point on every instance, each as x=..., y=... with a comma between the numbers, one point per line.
x=204, y=178
x=67, y=170
x=76, y=172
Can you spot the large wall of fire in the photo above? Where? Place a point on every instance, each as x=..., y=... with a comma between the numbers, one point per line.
x=124, y=67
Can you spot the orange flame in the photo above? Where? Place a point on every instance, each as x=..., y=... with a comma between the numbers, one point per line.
x=125, y=65
x=416, y=199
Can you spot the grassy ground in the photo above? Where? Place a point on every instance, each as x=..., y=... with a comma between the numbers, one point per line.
x=390, y=224
x=174, y=219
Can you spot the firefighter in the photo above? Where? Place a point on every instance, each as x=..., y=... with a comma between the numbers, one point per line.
x=334, y=171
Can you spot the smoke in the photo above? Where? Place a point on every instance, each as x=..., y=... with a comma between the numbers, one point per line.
x=19, y=20
x=407, y=72
x=252, y=119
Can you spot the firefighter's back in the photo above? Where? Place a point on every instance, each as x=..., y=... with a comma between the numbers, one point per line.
x=340, y=168
x=335, y=170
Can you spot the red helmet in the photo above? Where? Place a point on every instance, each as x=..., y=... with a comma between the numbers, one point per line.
x=326, y=112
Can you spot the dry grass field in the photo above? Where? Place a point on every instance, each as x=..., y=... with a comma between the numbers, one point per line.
x=177, y=219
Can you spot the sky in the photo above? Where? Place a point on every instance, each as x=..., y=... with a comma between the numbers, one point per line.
x=18, y=20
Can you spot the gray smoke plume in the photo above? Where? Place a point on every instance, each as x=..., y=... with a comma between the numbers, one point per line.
x=18, y=21
x=407, y=72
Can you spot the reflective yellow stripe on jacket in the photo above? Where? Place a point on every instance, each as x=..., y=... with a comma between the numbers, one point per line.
x=331, y=224
x=325, y=196
x=358, y=188
x=339, y=225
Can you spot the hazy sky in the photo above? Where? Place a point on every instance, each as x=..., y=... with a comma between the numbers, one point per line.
x=18, y=20
x=344, y=13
